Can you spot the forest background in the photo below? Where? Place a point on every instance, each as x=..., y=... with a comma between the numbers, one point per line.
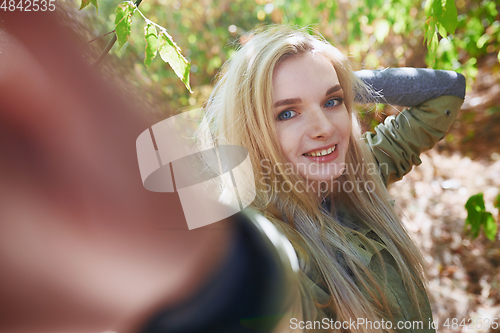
x=464, y=273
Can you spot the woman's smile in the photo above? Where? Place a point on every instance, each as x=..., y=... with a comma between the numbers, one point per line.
x=321, y=151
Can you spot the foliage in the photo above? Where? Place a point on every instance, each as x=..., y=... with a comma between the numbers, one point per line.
x=477, y=34
x=478, y=217
x=168, y=49
x=123, y=21
x=151, y=44
x=171, y=53
x=442, y=18
x=85, y=3
x=375, y=34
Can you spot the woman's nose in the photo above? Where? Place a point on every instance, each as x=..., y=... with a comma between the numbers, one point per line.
x=319, y=124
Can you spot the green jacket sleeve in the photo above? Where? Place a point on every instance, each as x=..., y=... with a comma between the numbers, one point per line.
x=398, y=142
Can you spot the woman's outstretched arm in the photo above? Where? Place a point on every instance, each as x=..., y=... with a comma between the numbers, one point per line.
x=83, y=246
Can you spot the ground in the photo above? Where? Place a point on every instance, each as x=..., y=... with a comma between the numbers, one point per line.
x=463, y=273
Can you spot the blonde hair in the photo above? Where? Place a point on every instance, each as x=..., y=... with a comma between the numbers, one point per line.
x=240, y=112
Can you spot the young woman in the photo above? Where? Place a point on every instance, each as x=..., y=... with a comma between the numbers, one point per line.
x=288, y=98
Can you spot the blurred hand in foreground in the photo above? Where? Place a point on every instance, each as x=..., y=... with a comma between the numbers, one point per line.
x=83, y=246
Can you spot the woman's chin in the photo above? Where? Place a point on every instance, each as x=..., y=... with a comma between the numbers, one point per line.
x=324, y=173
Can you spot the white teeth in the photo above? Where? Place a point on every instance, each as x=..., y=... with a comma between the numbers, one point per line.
x=323, y=152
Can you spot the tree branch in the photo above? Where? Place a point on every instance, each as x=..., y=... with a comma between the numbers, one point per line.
x=93, y=40
x=106, y=51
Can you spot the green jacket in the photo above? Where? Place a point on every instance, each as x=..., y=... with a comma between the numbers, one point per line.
x=399, y=141
x=396, y=145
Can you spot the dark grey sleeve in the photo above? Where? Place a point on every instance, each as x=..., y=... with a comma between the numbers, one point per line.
x=410, y=86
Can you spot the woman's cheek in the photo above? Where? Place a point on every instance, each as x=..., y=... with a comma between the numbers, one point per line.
x=288, y=140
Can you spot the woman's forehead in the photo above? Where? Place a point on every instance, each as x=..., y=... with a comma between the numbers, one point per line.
x=301, y=74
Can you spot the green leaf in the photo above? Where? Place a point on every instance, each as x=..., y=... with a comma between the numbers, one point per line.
x=442, y=30
x=449, y=16
x=489, y=226
x=94, y=2
x=474, y=206
x=428, y=7
x=445, y=12
x=123, y=21
x=430, y=25
x=477, y=216
x=85, y=3
x=171, y=53
x=151, y=43
x=437, y=8
x=433, y=43
x=476, y=203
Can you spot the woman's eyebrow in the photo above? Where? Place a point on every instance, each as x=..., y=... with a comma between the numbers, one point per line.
x=333, y=89
x=287, y=102
x=290, y=101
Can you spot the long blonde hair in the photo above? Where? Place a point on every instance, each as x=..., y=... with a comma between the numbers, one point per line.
x=240, y=112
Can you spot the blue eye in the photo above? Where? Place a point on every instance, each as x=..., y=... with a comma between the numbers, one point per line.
x=333, y=102
x=287, y=114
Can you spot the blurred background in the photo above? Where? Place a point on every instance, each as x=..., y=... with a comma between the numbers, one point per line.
x=464, y=271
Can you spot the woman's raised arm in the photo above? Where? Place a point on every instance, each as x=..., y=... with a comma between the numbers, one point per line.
x=434, y=98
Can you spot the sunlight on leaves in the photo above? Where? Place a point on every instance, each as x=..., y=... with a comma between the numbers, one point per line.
x=171, y=53
x=123, y=21
x=151, y=44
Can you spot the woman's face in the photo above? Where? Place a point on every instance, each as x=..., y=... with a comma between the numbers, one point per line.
x=312, y=121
